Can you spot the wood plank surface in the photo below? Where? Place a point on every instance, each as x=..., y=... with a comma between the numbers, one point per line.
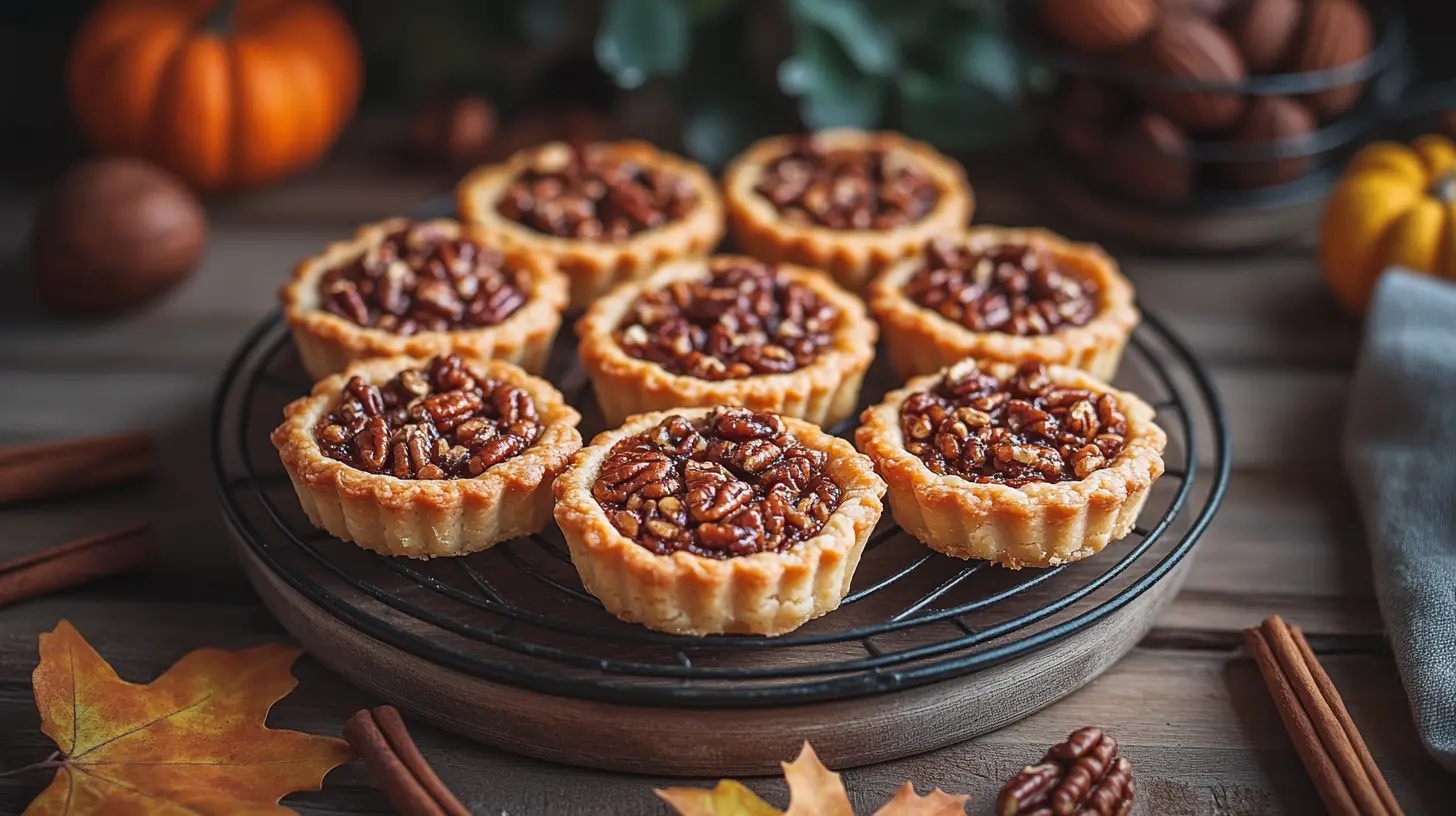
x=1187, y=705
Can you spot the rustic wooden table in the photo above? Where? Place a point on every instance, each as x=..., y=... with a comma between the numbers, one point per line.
x=1187, y=705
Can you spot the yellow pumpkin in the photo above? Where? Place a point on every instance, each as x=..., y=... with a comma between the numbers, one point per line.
x=1395, y=206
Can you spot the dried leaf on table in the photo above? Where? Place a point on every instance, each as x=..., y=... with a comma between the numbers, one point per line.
x=814, y=790
x=192, y=741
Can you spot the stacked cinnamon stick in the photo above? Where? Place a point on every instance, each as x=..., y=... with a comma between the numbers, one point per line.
x=1334, y=753
x=54, y=469
x=382, y=741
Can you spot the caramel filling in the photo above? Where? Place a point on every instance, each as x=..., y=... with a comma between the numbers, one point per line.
x=1010, y=288
x=440, y=422
x=1017, y=432
x=733, y=483
x=419, y=279
x=743, y=319
x=847, y=188
x=587, y=194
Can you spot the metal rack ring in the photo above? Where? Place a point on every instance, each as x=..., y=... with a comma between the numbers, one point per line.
x=517, y=614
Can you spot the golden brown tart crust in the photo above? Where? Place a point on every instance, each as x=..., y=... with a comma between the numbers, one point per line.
x=766, y=593
x=921, y=341
x=1039, y=524
x=424, y=518
x=595, y=266
x=823, y=392
x=851, y=256
x=327, y=343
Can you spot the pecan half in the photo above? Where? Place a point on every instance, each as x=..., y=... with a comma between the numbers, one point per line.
x=1083, y=776
x=1010, y=288
x=847, y=188
x=586, y=193
x=744, y=319
x=735, y=482
x=418, y=279
x=440, y=422
x=1016, y=432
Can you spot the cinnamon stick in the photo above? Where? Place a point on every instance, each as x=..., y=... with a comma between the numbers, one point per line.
x=1347, y=723
x=1324, y=735
x=75, y=562
x=381, y=739
x=50, y=469
x=1317, y=762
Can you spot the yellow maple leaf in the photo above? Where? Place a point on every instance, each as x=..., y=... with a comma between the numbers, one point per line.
x=190, y=742
x=814, y=790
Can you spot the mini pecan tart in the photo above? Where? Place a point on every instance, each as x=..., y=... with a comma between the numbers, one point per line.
x=423, y=458
x=845, y=201
x=728, y=330
x=713, y=520
x=605, y=212
x=402, y=288
x=1029, y=466
x=1014, y=295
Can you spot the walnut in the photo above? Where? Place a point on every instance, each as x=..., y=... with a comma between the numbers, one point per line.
x=1083, y=776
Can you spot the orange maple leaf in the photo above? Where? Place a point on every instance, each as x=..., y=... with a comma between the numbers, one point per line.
x=190, y=742
x=814, y=790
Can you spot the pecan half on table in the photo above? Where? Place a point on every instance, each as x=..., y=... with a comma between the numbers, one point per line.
x=1083, y=776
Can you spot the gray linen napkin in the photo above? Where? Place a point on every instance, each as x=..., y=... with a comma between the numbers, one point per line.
x=1400, y=452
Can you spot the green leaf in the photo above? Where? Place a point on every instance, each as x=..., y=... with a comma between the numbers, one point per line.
x=642, y=38
x=987, y=60
x=869, y=46
x=954, y=116
x=832, y=92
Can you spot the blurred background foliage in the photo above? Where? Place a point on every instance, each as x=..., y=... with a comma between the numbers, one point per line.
x=709, y=76
x=703, y=76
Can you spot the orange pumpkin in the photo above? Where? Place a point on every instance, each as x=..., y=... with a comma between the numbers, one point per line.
x=226, y=94
x=1395, y=206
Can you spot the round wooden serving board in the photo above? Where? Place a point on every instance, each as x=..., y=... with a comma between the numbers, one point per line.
x=715, y=741
x=506, y=647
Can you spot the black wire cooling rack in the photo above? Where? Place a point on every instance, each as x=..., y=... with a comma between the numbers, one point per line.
x=518, y=615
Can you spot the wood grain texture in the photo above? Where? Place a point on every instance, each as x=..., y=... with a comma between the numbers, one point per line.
x=1188, y=706
x=1198, y=726
x=746, y=741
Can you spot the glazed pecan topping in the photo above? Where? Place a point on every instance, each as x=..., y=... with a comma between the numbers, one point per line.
x=746, y=318
x=733, y=483
x=1009, y=288
x=1083, y=776
x=1014, y=433
x=418, y=279
x=439, y=422
x=584, y=193
x=847, y=188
